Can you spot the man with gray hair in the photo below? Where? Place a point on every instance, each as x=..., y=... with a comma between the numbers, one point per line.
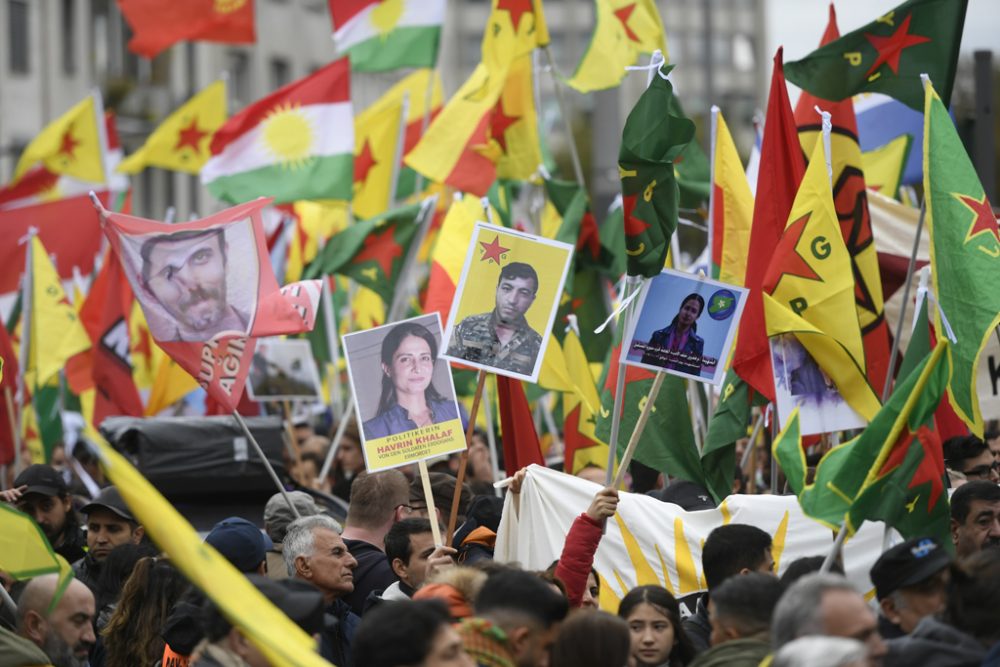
x=314, y=551
x=65, y=633
x=827, y=605
x=817, y=651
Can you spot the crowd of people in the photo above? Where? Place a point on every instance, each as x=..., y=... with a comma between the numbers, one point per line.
x=378, y=591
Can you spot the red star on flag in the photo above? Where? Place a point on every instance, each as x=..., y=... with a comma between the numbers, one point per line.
x=492, y=251
x=891, y=47
x=499, y=124
x=632, y=373
x=590, y=237
x=931, y=468
x=190, y=136
x=380, y=247
x=517, y=9
x=633, y=225
x=623, y=14
x=984, y=220
x=786, y=258
x=69, y=143
x=363, y=164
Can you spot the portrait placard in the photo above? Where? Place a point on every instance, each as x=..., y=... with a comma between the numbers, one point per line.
x=506, y=301
x=800, y=382
x=404, y=393
x=685, y=326
x=283, y=370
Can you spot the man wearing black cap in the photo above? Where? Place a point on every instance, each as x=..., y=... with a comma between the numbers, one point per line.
x=910, y=581
x=41, y=493
x=110, y=523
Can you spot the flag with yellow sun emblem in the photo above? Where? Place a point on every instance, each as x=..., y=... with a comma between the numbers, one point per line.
x=380, y=35
x=296, y=143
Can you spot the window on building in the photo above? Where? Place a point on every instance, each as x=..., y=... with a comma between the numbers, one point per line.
x=743, y=55
x=280, y=72
x=17, y=36
x=239, y=79
x=99, y=32
x=68, y=41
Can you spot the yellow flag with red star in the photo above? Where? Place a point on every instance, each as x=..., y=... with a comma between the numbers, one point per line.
x=625, y=29
x=182, y=140
x=69, y=145
x=377, y=134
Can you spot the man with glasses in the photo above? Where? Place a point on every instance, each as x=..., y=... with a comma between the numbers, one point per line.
x=972, y=457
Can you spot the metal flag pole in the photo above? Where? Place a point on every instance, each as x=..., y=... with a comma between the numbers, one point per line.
x=346, y=417
x=267, y=464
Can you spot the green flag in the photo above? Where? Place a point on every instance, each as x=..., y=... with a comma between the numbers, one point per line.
x=371, y=251
x=891, y=472
x=613, y=241
x=654, y=136
x=888, y=55
x=728, y=424
x=965, y=255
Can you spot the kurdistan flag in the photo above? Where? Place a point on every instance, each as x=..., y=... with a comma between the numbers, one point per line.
x=296, y=143
x=380, y=35
x=965, y=254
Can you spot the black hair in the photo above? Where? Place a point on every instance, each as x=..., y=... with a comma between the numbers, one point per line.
x=592, y=639
x=523, y=593
x=397, y=540
x=175, y=237
x=663, y=601
x=399, y=633
x=701, y=308
x=973, y=589
x=731, y=548
x=516, y=270
x=800, y=567
x=962, y=447
x=961, y=500
x=748, y=602
x=390, y=344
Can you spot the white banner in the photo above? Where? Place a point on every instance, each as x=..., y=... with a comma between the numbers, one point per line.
x=988, y=378
x=652, y=542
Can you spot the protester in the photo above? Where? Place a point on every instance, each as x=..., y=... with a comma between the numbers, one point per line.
x=729, y=550
x=517, y=620
x=109, y=523
x=972, y=457
x=975, y=517
x=826, y=604
x=378, y=500
x=65, y=633
x=241, y=543
x=315, y=552
x=400, y=633
x=277, y=516
x=592, y=639
x=654, y=620
x=348, y=462
x=740, y=611
x=800, y=567
x=226, y=646
x=967, y=629
x=817, y=651
x=117, y=569
x=910, y=580
x=443, y=492
x=457, y=587
x=575, y=567
x=40, y=491
x=409, y=548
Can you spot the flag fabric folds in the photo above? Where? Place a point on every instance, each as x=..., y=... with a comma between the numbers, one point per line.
x=296, y=143
x=181, y=142
x=159, y=25
x=449, y=253
x=888, y=55
x=652, y=139
x=514, y=29
x=809, y=289
x=885, y=166
x=624, y=29
x=70, y=145
x=379, y=36
x=376, y=147
x=520, y=440
x=965, y=247
x=730, y=209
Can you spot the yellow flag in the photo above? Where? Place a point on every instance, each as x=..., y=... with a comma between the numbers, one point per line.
x=367, y=309
x=514, y=127
x=181, y=142
x=377, y=134
x=55, y=330
x=809, y=289
x=144, y=351
x=731, y=208
x=415, y=87
x=171, y=384
x=513, y=29
x=280, y=640
x=580, y=409
x=884, y=165
x=25, y=552
x=69, y=145
x=625, y=29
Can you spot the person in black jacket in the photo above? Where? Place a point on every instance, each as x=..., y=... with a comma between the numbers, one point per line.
x=41, y=493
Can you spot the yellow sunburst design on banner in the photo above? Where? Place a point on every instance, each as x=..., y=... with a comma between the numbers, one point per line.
x=289, y=136
x=227, y=6
x=386, y=16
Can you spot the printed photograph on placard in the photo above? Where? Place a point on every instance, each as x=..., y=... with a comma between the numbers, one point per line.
x=506, y=301
x=188, y=287
x=283, y=370
x=404, y=393
x=684, y=325
x=800, y=382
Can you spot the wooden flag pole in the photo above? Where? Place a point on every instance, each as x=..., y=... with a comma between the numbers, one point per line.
x=632, y=284
x=267, y=464
x=463, y=460
x=640, y=426
x=425, y=481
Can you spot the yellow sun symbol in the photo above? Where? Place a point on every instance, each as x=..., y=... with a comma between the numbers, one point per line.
x=289, y=136
x=386, y=15
x=227, y=6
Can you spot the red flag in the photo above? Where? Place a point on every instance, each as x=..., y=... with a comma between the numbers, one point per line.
x=851, y=201
x=8, y=388
x=781, y=170
x=520, y=441
x=104, y=316
x=158, y=25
